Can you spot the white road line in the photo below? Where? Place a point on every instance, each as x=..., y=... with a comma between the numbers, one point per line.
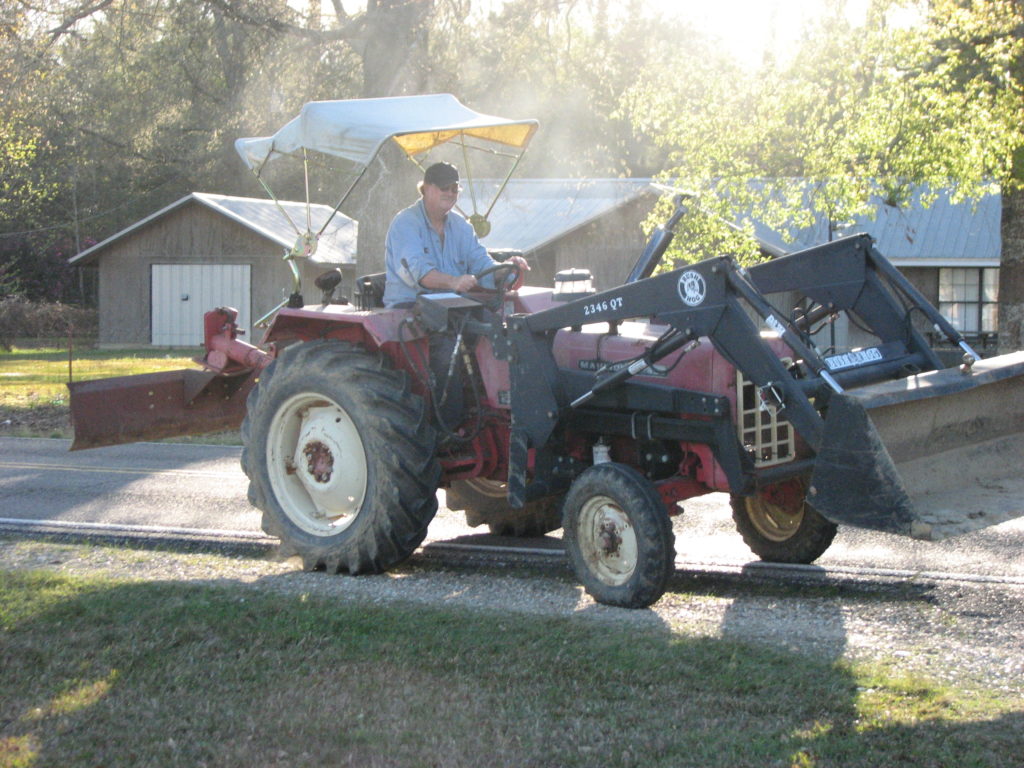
x=123, y=470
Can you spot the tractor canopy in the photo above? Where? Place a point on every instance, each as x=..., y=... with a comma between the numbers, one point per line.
x=356, y=129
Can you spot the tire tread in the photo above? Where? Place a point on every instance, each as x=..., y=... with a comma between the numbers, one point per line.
x=399, y=442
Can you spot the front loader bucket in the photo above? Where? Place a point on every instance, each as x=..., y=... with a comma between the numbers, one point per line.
x=151, y=406
x=930, y=456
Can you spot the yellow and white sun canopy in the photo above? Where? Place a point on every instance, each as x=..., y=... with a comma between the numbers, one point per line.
x=356, y=129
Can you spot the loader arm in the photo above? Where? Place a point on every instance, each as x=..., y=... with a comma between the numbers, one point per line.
x=851, y=275
x=709, y=300
x=890, y=431
x=703, y=300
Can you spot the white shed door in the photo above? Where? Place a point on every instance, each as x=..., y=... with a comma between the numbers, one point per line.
x=183, y=293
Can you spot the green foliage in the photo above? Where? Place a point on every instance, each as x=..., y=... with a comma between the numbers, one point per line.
x=29, y=176
x=27, y=192
x=703, y=233
x=860, y=111
x=108, y=115
x=972, y=77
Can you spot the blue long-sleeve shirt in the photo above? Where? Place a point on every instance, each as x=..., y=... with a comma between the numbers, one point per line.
x=413, y=248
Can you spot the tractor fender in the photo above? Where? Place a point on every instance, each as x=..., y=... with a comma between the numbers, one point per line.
x=373, y=328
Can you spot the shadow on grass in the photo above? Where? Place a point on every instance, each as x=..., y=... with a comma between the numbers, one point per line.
x=167, y=674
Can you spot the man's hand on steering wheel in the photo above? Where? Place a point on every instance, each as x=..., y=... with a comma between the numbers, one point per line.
x=524, y=267
x=465, y=283
x=509, y=274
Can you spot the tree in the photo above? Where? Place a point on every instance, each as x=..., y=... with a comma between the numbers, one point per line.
x=138, y=102
x=977, y=54
x=142, y=99
x=27, y=186
x=875, y=109
x=389, y=37
x=573, y=66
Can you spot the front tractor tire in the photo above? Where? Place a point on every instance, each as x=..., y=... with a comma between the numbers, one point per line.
x=486, y=502
x=618, y=536
x=340, y=458
x=780, y=526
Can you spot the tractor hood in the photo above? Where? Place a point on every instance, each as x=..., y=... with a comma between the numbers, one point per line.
x=356, y=129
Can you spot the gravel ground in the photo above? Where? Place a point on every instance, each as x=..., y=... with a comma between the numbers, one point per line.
x=965, y=634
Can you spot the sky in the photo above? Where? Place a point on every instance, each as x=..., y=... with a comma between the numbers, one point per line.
x=746, y=26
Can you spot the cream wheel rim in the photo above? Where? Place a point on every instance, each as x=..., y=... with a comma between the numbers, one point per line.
x=607, y=541
x=317, y=464
x=772, y=521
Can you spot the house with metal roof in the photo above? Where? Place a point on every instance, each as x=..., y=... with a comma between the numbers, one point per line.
x=941, y=234
x=950, y=251
x=159, y=276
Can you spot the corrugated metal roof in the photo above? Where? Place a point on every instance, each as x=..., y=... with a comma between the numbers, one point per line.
x=532, y=213
x=337, y=245
x=942, y=234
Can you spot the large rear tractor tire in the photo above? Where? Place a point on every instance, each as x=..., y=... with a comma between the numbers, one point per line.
x=340, y=458
x=780, y=526
x=486, y=502
x=618, y=536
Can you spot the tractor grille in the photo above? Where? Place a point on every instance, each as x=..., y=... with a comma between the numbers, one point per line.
x=768, y=437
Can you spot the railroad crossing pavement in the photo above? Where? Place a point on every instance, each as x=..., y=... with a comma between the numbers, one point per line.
x=195, y=489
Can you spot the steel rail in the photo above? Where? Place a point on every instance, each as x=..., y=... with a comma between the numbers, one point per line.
x=435, y=547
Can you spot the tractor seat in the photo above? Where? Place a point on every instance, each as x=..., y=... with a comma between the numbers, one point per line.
x=370, y=290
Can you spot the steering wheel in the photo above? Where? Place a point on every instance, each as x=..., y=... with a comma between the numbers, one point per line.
x=502, y=283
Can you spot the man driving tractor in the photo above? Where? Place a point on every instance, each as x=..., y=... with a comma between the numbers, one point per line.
x=429, y=250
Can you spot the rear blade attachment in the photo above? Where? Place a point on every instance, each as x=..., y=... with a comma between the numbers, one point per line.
x=152, y=406
x=930, y=456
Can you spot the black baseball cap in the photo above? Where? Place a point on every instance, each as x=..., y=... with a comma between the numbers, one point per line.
x=441, y=175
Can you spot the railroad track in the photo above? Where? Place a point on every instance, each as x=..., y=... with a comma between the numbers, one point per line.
x=498, y=550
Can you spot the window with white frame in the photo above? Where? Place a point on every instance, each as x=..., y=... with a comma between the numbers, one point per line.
x=969, y=298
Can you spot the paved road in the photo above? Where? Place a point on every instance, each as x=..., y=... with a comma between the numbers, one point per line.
x=168, y=484
x=202, y=487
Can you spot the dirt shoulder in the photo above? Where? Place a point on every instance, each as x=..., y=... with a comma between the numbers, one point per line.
x=38, y=421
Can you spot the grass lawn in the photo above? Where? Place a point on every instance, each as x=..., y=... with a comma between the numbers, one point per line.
x=112, y=673
x=33, y=383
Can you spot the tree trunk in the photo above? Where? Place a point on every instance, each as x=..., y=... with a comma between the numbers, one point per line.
x=395, y=49
x=388, y=187
x=1011, y=273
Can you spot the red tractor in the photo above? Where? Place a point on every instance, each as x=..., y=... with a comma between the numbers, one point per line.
x=599, y=412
